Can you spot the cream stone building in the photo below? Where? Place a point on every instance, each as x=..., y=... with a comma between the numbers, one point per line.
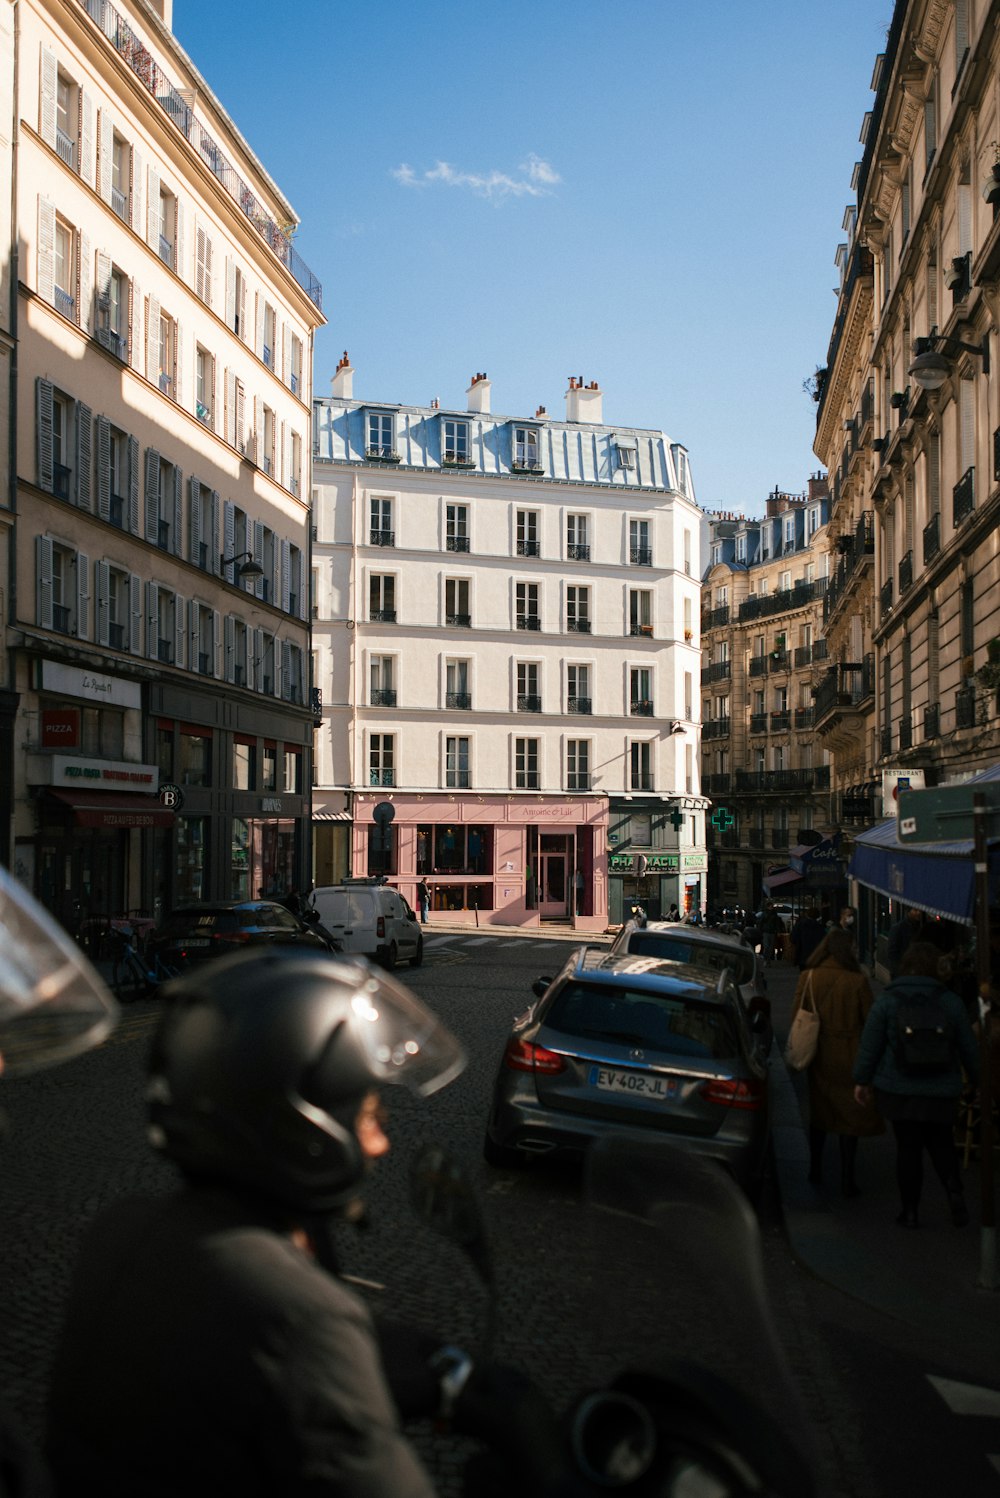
x=506, y=634
x=158, y=636
x=909, y=419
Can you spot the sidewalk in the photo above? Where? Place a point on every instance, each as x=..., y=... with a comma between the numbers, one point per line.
x=928, y=1278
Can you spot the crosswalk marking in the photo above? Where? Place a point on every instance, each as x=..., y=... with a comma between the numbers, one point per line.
x=967, y=1399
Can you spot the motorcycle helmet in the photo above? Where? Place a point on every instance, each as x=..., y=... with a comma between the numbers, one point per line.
x=53, y=1005
x=262, y=1060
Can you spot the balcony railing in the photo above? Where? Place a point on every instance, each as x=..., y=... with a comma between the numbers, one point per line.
x=381, y=777
x=528, y=549
x=641, y=707
x=805, y=717
x=856, y=549
x=932, y=538
x=577, y=551
x=529, y=621
x=164, y=651
x=316, y=706
x=578, y=626
x=383, y=697
x=713, y=785
x=136, y=56
x=528, y=702
x=460, y=701
x=166, y=248
x=715, y=618
x=382, y=616
x=965, y=707
x=845, y=685
x=758, y=723
x=62, y=619
x=458, y=621
x=66, y=148
x=905, y=573
x=116, y=636
x=885, y=597
x=717, y=671
x=382, y=538
x=641, y=556
x=65, y=304
x=758, y=665
x=906, y=732
x=775, y=781
x=964, y=496
x=781, y=722
x=457, y=543
x=581, y=705
x=640, y=629
x=885, y=742
x=932, y=721
x=715, y=728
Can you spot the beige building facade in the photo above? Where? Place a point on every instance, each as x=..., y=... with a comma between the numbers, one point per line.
x=158, y=627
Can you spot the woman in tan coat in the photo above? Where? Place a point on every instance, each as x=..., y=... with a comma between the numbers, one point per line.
x=842, y=997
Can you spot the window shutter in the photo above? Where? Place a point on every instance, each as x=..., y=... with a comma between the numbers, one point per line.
x=84, y=284
x=46, y=250
x=84, y=457
x=229, y=668
x=133, y=485
x=47, y=100
x=286, y=569
x=228, y=535
x=104, y=468
x=194, y=519
x=194, y=633
x=43, y=425
x=286, y=354
x=217, y=663
x=152, y=495
x=180, y=240
x=203, y=267
x=152, y=338
x=213, y=538
x=102, y=602
x=258, y=330
x=135, y=613
x=242, y=309
x=258, y=453
x=86, y=156
x=241, y=419
x=135, y=189
x=153, y=210
x=82, y=597
x=230, y=292
x=258, y=555
x=105, y=154
x=179, y=631
x=152, y=620
x=179, y=381
x=284, y=464
x=178, y=549
x=43, y=581
x=287, y=680
x=135, y=341
x=230, y=413
x=102, y=299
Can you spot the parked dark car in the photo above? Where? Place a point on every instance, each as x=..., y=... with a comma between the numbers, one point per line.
x=715, y=949
x=198, y=932
x=639, y=1048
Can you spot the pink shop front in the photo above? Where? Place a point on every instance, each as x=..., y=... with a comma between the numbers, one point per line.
x=504, y=860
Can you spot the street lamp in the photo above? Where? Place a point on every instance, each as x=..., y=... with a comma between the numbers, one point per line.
x=931, y=367
x=247, y=570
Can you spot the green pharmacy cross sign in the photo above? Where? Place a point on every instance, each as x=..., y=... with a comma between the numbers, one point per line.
x=677, y=818
x=722, y=818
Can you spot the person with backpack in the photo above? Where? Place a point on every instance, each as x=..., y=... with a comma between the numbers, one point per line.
x=915, y=1043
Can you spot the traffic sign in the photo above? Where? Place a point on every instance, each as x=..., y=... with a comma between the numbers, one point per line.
x=383, y=813
x=944, y=813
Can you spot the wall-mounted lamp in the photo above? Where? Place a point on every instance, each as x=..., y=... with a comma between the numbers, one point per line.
x=247, y=570
x=677, y=727
x=931, y=367
x=991, y=187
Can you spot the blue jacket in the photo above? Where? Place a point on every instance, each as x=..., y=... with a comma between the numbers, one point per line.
x=876, y=1059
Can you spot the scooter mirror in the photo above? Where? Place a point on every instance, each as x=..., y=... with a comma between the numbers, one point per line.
x=443, y=1198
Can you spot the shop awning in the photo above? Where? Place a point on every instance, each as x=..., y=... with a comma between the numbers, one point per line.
x=782, y=877
x=114, y=809
x=938, y=878
x=333, y=816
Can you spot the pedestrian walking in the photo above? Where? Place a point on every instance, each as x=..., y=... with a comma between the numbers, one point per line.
x=807, y=933
x=423, y=900
x=842, y=997
x=772, y=929
x=673, y=914
x=912, y=927
x=578, y=887
x=915, y=1043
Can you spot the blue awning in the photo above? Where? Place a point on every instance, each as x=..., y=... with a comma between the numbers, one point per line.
x=938, y=878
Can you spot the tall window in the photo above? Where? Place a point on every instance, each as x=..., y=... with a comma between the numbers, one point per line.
x=118, y=475
x=168, y=227
x=65, y=270
x=381, y=760
x=457, y=528
x=526, y=606
x=381, y=436
x=382, y=678
x=640, y=551
x=578, y=610
x=457, y=692
x=578, y=689
x=295, y=364
x=527, y=533
x=456, y=441
x=640, y=611
x=457, y=608
x=577, y=538
x=382, y=598
x=529, y=698
x=526, y=764
x=270, y=335
x=380, y=521
x=640, y=691
x=578, y=764
x=641, y=766
x=456, y=763
x=66, y=119
x=205, y=387
x=526, y=448
x=166, y=354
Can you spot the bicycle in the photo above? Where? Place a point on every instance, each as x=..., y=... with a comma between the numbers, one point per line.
x=134, y=976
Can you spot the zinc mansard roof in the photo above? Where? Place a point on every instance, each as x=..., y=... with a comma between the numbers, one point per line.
x=567, y=452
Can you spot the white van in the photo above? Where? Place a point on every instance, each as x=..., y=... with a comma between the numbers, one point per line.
x=372, y=920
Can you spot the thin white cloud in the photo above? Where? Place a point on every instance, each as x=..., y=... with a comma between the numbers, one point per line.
x=536, y=179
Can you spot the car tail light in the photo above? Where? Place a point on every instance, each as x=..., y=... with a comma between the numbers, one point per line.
x=380, y=926
x=521, y=1055
x=732, y=1092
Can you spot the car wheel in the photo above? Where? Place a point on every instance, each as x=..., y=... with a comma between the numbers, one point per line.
x=499, y=1155
x=418, y=955
x=391, y=957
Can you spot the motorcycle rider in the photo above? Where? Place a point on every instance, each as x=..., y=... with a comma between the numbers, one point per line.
x=53, y=1006
x=209, y=1345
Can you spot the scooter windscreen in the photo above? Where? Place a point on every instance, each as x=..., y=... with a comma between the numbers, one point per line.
x=673, y=1243
x=53, y=1004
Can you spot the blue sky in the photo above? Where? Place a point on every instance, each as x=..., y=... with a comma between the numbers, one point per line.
x=648, y=194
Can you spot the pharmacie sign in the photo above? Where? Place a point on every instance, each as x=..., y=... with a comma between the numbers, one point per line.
x=102, y=774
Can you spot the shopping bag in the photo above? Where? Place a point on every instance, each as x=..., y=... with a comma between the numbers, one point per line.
x=803, y=1037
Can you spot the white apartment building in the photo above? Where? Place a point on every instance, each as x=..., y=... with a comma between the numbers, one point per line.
x=505, y=632
x=159, y=629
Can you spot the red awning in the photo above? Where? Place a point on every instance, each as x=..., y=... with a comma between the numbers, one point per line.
x=784, y=876
x=114, y=809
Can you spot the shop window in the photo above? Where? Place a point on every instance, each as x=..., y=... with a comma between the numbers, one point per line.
x=293, y=772
x=381, y=850
x=192, y=864
x=165, y=751
x=269, y=768
x=102, y=733
x=195, y=759
x=454, y=849
x=244, y=764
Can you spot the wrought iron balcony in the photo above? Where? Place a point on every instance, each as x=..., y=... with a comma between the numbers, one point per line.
x=905, y=573
x=885, y=597
x=65, y=304
x=578, y=626
x=641, y=707
x=885, y=742
x=529, y=702
x=383, y=697
x=641, y=556
x=717, y=671
x=780, y=660
x=805, y=717
x=932, y=538
x=164, y=651
x=758, y=665
x=116, y=636
x=845, y=686
x=579, y=705
x=458, y=621
x=382, y=616
x=758, y=723
x=460, y=701
x=965, y=707
x=457, y=543
x=715, y=728
x=932, y=721
x=713, y=785
x=781, y=781
x=715, y=618
x=382, y=538
x=529, y=621
x=640, y=629
x=381, y=777
x=856, y=549
x=528, y=548
x=316, y=706
x=781, y=722
x=66, y=148
x=964, y=496
x=577, y=551
x=906, y=732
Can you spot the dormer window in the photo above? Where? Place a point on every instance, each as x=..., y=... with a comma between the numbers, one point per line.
x=625, y=452
x=381, y=442
x=455, y=448
x=526, y=449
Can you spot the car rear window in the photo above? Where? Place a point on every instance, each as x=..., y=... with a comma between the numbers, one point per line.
x=671, y=1024
x=676, y=949
x=193, y=922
